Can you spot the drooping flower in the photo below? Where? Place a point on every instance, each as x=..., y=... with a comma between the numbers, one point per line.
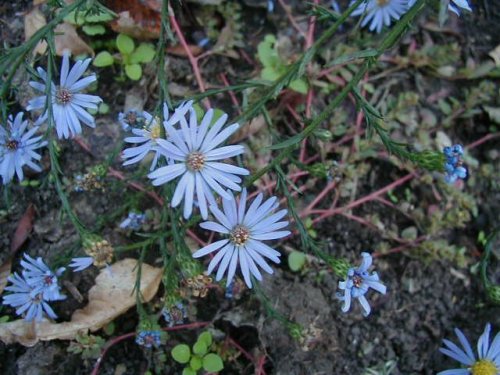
x=26, y=299
x=453, y=165
x=457, y=5
x=68, y=104
x=148, y=135
x=100, y=253
x=17, y=148
x=80, y=263
x=488, y=359
x=359, y=280
x=133, y=221
x=245, y=231
x=41, y=278
x=196, y=154
x=132, y=119
x=378, y=13
x=148, y=339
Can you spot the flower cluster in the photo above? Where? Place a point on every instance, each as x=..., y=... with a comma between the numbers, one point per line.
x=148, y=339
x=453, y=165
x=358, y=282
x=487, y=361
x=380, y=13
x=134, y=221
x=68, y=104
x=175, y=314
x=34, y=289
x=99, y=251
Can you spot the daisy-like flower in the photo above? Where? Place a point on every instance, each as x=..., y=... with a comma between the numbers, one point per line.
x=359, y=280
x=147, y=137
x=454, y=5
x=41, y=278
x=17, y=148
x=174, y=315
x=488, y=359
x=196, y=154
x=378, y=13
x=68, y=105
x=26, y=300
x=453, y=165
x=245, y=231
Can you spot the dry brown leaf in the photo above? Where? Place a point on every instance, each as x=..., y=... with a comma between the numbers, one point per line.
x=128, y=25
x=66, y=38
x=255, y=125
x=110, y=297
x=34, y=21
x=4, y=273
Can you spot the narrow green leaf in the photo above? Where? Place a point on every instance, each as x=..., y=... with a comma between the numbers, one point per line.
x=353, y=56
x=295, y=140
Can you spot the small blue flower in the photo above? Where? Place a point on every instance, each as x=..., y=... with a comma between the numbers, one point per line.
x=17, y=148
x=68, y=105
x=378, y=13
x=175, y=315
x=453, y=165
x=133, y=221
x=359, y=280
x=245, y=231
x=455, y=7
x=41, y=278
x=132, y=119
x=148, y=339
x=27, y=299
x=487, y=362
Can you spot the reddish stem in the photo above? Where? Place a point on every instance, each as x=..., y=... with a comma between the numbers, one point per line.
x=234, y=99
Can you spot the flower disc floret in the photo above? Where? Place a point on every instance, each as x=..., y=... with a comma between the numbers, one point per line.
x=487, y=361
x=68, y=104
x=196, y=154
x=245, y=231
x=17, y=148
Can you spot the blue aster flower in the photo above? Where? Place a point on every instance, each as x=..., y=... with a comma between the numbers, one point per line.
x=453, y=165
x=245, y=231
x=148, y=338
x=68, y=104
x=17, y=148
x=133, y=221
x=378, y=13
x=80, y=263
x=27, y=299
x=454, y=5
x=41, y=278
x=487, y=361
x=196, y=154
x=174, y=315
x=358, y=282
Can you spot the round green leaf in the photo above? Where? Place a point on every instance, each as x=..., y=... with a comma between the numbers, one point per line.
x=212, y=363
x=206, y=337
x=296, y=260
x=103, y=59
x=143, y=54
x=94, y=29
x=188, y=371
x=195, y=363
x=103, y=108
x=300, y=86
x=181, y=353
x=125, y=44
x=133, y=71
x=200, y=347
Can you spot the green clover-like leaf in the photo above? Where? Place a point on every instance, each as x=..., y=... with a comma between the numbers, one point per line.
x=125, y=44
x=133, y=71
x=181, y=353
x=212, y=363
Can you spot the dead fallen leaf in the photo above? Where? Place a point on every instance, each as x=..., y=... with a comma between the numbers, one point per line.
x=129, y=25
x=110, y=297
x=495, y=55
x=179, y=50
x=4, y=273
x=34, y=21
x=255, y=125
x=23, y=229
x=67, y=39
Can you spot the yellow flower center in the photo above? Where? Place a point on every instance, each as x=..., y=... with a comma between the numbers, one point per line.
x=155, y=131
x=239, y=235
x=484, y=367
x=195, y=161
x=382, y=3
